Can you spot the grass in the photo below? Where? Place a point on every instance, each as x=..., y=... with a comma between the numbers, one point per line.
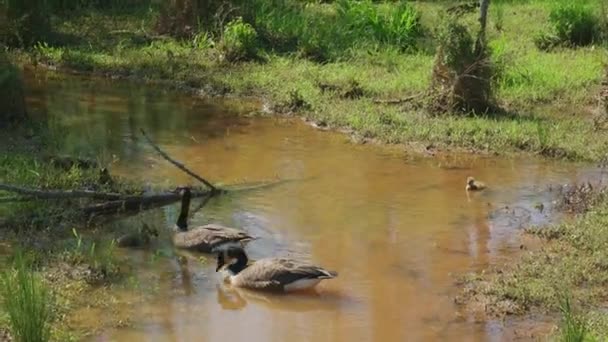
x=574, y=259
x=27, y=301
x=531, y=84
x=574, y=327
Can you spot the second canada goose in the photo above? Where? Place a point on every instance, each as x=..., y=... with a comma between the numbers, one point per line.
x=473, y=185
x=138, y=239
x=207, y=238
x=274, y=274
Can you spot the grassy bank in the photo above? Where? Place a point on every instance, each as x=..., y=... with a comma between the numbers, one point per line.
x=569, y=270
x=70, y=269
x=549, y=96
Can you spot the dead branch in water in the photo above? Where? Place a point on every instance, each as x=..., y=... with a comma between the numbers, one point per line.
x=138, y=203
x=178, y=164
x=59, y=194
x=200, y=205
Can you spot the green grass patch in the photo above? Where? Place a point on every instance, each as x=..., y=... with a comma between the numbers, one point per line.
x=27, y=301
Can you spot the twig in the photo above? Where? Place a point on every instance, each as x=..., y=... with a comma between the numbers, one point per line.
x=60, y=194
x=200, y=205
x=178, y=164
x=398, y=101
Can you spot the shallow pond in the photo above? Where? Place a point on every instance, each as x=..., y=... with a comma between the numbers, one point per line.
x=398, y=228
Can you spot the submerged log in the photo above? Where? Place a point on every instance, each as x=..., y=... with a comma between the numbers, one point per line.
x=138, y=203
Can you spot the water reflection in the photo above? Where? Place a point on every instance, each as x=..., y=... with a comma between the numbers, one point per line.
x=233, y=298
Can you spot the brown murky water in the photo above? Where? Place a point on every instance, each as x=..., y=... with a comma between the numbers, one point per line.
x=399, y=229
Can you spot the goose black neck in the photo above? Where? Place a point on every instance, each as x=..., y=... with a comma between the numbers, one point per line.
x=240, y=264
x=182, y=220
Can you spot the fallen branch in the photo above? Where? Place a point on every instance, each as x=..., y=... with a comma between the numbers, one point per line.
x=398, y=101
x=60, y=194
x=138, y=203
x=200, y=205
x=178, y=164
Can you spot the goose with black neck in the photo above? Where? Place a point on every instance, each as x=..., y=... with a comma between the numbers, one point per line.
x=207, y=238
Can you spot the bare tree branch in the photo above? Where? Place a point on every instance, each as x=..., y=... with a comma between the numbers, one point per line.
x=178, y=164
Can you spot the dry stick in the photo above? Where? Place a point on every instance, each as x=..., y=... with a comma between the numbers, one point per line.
x=59, y=194
x=398, y=101
x=178, y=164
x=201, y=205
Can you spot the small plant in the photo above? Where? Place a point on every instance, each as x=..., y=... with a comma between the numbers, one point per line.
x=201, y=41
x=27, y=302
x=98, y=258
x=574, y=326
x=239, y=41
x=463, y=72
x=403, y=27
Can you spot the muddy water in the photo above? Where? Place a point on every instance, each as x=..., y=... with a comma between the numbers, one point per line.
x=398, y=228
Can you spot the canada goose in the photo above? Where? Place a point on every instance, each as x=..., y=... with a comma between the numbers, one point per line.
x=207, y=238
x=141, y=238
x=274, y=274
x=473, y=185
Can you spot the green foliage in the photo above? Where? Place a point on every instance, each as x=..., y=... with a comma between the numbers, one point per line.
x=323, y=34
x=27, y=302
x=456, y=45
x=362, y=19
x=24, y=22
x=573, y=23
x=239, y=41
x=463, y=72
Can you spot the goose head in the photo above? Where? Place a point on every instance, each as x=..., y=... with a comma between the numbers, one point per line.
x=232, y=258
x=470, y=181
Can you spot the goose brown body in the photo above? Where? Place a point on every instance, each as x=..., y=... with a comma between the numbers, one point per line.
x=210, y=237
x=205, y=238
x=274, y=274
